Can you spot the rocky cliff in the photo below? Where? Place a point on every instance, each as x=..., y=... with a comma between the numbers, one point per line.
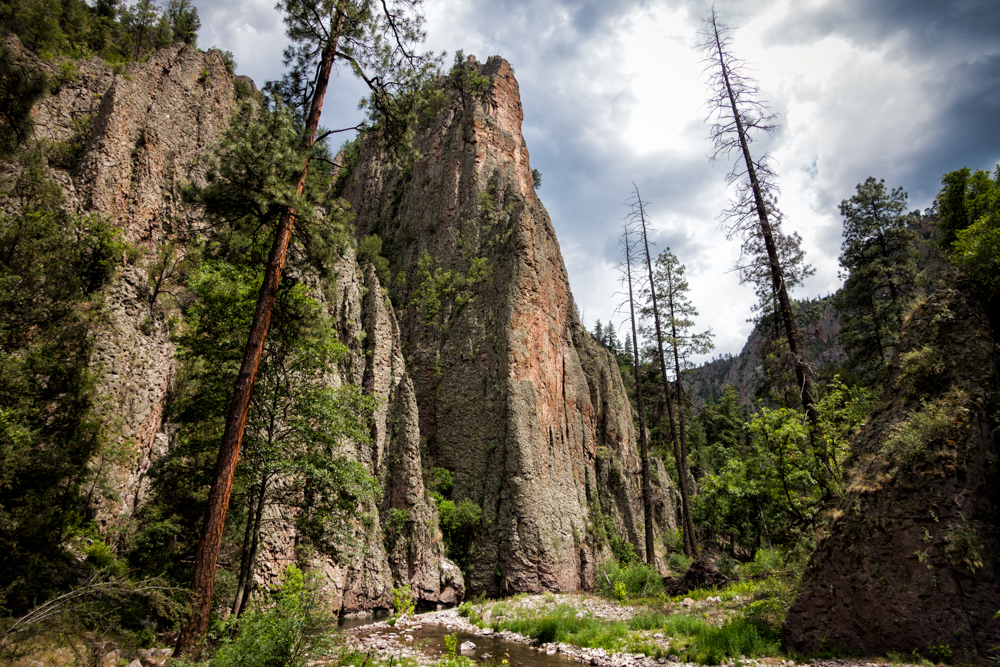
x=745, y=371
x=479, y=360
x=516, y=399
x=135, y=139
x=911, y=559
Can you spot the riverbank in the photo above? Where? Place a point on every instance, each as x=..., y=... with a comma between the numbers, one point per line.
x=418, y=639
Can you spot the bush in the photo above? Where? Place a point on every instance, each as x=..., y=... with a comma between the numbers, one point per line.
x=679, y=563
x=402, y=601
x=281, y=632
x=636, y=580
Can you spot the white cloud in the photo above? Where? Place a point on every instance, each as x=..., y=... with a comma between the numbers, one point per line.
x=613, y=93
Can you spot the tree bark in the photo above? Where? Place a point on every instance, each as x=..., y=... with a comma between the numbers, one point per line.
x=785, y=311
x=690, y=549
x=647, y=501
x=207, y=554
x=254, y=549
x=680, y=407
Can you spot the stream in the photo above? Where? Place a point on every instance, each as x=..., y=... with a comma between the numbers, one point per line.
x=428, y=638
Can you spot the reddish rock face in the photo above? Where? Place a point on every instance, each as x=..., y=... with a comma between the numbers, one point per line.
x=910, y=562
x=516, y=399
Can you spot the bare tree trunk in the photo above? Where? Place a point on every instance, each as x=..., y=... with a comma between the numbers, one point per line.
x=647, y=501
x=680, y=456
x=680, y=409
x=254, y=549
x=245, y=553
x=785, y=311
x=207, y=555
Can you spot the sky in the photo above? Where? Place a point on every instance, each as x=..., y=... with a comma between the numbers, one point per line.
x=614, y=98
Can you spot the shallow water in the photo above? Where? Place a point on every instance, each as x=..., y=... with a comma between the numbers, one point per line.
x=430, y=637
x=351, y=622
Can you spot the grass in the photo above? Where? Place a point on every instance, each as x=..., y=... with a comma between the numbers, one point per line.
x=745, y=620
x=564, y=625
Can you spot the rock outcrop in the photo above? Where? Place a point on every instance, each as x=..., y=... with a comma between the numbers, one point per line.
x=136, y=138
x=516, y=399
x=476, y=352
x=911, y=559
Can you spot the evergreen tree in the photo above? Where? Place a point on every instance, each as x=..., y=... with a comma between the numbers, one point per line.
x=879, y=257
x=375, y=39
x=669, y=290
x=21, y=88
x=963, y=199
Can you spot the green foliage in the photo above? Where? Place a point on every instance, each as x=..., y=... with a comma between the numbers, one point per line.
x=634, y=580
x=772, y=490
x=679, y=563
x=103, y=603
x=976, y=246
x=53, y=265
x=466, y=79
x=369, y=250
x=441, y=482
x=283, y=630
x=402, y=601
x=879, y=256
x=563, y=624
x=294, y=430
x=929, y=433
x=922, y=368
x=737, y=637
x=459, y=522
x=965, y=197
x=21, y=88
x=536, y=178
x=251, y=180
x=110, y=29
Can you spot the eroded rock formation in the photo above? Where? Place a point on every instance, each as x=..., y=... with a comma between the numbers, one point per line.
x=139, y=136
x=516, y=399
x=911, y=559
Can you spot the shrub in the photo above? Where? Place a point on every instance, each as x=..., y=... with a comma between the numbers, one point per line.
x=679, y=563
x=402, y=601
x=628, y=581
x=280, y=632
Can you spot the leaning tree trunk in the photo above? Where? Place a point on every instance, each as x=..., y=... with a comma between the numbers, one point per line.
x=785, y=311
x=207, y=555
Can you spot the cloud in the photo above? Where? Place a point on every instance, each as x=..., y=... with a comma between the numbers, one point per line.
x=614, y=93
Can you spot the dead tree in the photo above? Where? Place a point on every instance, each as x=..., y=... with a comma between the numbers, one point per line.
x=647, y=492
x=737, y=111
x=638, y=215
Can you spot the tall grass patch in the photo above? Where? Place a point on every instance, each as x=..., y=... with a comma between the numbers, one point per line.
x=636, y=580
x=563, y=624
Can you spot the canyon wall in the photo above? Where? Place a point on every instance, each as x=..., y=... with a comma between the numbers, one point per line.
x=517, y=400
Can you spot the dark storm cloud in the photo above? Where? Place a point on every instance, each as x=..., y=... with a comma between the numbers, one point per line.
x=954, y=42
x=928, y=25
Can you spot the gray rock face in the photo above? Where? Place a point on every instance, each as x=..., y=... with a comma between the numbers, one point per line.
x=516, y=399
x=911, y=559
x=144, y=133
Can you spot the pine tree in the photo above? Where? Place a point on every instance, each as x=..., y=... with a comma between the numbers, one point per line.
x=375, y=39
x=879, y=258
x=639, y=216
